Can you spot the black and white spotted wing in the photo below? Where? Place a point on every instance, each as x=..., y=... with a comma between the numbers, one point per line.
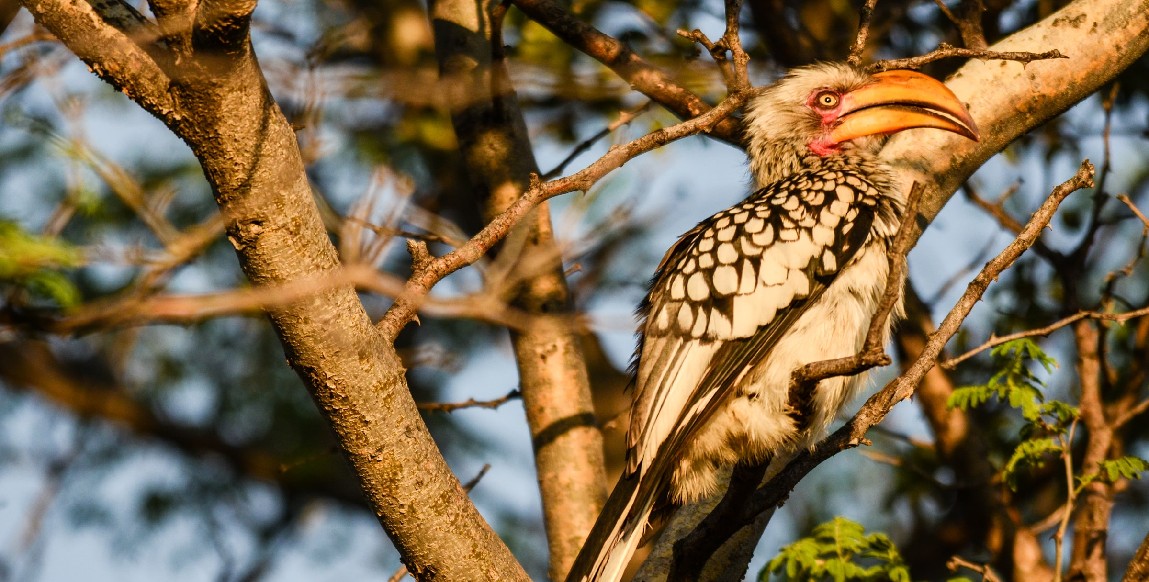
x=728, y=289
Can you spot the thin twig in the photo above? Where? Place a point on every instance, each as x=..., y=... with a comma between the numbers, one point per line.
x=1130, y=414
x=950, y=16
x=1126, y=271
x=1136, y=211
x=872, y=354
x=865, y=15
x=1066, y=442
x=450, y=407
x=733, y=67
x=424, y=277
x=1047, y=522
x=997, y=210
x=624, y=118
x=961, y=275
x=948, y=51
x=995, y=341
x=968, y=23
x=637, y=72
x=987, y=574
x=1099, y=198
x=186, y=308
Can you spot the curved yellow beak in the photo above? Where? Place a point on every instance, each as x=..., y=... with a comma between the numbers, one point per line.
x=900, y=100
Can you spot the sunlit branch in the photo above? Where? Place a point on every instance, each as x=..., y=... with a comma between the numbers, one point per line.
x=947, y=51
x=639, y=74
x=428, y=270
x=865, y=15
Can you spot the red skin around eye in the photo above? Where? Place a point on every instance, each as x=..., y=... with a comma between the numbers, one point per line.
x=823, y=145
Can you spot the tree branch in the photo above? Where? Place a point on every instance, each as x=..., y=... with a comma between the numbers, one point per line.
x=251, y=158
x=865, y=14
x=1023, y=96
x=500, y=165
x=437, y=268
x=995, y=341
x=108, y=52
x=946, y=51
x=644, y=77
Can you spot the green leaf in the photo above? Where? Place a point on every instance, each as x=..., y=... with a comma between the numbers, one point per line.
x=1062, y=411
x=968, y=397
x=839, y=550
x=1013, y=382
x=34, y=263
x=1030, y=453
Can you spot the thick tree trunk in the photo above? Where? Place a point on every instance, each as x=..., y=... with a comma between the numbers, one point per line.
x=552, y=370
x=215, y=98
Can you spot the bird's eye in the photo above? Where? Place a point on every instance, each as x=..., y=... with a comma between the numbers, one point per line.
x=826, y=100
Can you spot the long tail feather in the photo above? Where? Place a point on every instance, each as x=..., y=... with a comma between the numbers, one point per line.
x=617, y=533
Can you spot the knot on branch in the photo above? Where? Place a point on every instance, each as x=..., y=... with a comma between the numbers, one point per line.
x=420, y=255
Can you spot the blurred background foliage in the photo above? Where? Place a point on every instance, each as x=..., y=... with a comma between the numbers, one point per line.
x=196, y=441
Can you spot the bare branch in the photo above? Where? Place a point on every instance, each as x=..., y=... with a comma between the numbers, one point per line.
x=865, y=15
x=1136, y=211
x=492, y=404
x=804, y=379
x=968, y=23
x=997, y=210
x=995, y=341
x=424, y=279
x=110, y=54
x=1130, y=414
x=644, y=77
x=957, y=562
x=624, y=118
x=733, y=68
x=947, y=51
x=136, y=309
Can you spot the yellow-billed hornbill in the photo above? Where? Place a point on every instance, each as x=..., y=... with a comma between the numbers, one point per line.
x=790, y=275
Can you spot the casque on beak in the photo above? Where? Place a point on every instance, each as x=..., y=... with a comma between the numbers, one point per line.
x=899, y=100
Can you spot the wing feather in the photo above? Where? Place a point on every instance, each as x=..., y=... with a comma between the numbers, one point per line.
x=727, y=312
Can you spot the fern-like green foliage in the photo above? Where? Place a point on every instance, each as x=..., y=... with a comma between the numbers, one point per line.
x=1013, y=383
x=34, y=263
x=1030, y=453
x=1127, y=467
x=839, y=550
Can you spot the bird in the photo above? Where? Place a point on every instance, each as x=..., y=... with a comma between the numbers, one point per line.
x=790, y=275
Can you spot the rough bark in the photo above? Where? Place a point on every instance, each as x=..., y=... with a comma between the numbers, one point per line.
x=215, y=98
x=552, y=371
x=1101, y=38
x=1095, y=502
x=1139, y=565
